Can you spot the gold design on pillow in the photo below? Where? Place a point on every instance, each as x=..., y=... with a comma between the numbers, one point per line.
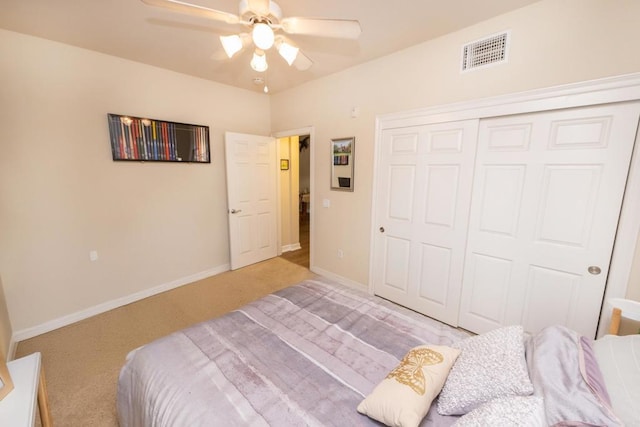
x=409, y=371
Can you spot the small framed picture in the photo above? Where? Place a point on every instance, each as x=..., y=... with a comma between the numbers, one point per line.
x=284, y=164
x=342, y=150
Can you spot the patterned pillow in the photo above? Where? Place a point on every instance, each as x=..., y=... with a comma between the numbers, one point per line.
x=405, y=395
x=490, y=365
x=523, y=411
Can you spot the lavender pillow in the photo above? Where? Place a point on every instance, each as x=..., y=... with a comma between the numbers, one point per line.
x=591, y=373
x=565, y=373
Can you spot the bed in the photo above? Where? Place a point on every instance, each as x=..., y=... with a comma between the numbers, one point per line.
x=320, y=354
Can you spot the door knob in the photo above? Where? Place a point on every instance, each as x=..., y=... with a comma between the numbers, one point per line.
x=233, y=211
x=382, y=229
x=594, y=269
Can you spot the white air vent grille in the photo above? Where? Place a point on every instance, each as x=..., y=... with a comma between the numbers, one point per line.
x=488, y=51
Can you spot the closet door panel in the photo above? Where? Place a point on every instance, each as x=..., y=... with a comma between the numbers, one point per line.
x=422, y=200
x=396, y=191
x=567, y=204
x=554, y=291
x=441, y=199
x=547, y=196
x=396, y=269
x=400, y=192
x=491, y=277
x=501, y=195
x=435, y=273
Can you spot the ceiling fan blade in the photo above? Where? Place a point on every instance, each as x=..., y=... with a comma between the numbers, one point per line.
x=337, y=28
x=194, y=10
x=259, y=7
x=302, y=62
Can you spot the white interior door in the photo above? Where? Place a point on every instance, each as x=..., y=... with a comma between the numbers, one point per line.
x=422, y=202
x=547, y=194
x=252, y=198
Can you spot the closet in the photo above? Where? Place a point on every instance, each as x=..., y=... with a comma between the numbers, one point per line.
x=500, y=220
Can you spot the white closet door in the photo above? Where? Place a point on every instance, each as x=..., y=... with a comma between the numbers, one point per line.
x=547, y=194
x=422, y=202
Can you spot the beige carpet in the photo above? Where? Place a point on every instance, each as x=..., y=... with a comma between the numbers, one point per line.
x=82, y=361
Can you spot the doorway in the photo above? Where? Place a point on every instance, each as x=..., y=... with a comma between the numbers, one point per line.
x=295, y=151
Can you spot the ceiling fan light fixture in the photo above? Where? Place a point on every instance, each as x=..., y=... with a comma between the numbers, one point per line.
x=262, y=18
x=259, y=61
x=288, y=52
x=262, y=35
x=231, y=44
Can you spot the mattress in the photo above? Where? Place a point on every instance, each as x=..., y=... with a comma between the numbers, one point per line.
x=306, y=355
x=309, y=354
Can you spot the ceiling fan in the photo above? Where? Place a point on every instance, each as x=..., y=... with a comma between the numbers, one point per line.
x=264, y=20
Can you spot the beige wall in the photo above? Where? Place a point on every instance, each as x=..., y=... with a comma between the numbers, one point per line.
x=633, y=292
x=553, y=42
x=61, y=195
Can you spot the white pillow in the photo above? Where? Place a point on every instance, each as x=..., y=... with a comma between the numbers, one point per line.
x=619, y=362
x=405, y=395
x=490, y=365
x=521, y=411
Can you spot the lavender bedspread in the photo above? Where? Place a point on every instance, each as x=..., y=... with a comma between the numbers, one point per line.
x=306, y=355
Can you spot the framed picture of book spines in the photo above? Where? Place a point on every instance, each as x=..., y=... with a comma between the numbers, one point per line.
x=142, y=139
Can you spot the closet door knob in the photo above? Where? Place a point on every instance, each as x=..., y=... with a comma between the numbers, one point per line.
x=233, y=211
x=382, y=229
x=595, y=270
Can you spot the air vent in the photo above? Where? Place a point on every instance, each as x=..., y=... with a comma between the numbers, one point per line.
x=488, y=51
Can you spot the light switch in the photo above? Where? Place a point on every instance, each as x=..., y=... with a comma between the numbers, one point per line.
x=326, y=203
x=93, y=255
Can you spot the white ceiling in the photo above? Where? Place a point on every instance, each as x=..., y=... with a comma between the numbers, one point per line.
x=190, y=45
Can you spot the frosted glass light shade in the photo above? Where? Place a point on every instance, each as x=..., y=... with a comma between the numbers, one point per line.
x=263, y=36
x=288, y=52
x=231, y=44
x=259, y=61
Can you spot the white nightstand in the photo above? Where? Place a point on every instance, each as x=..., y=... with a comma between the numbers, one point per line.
x=18, y=408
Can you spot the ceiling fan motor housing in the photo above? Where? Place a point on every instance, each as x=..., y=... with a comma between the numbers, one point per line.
x=252, y=16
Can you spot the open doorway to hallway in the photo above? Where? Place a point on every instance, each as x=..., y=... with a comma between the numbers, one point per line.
x=300, y=256
x=296, y=199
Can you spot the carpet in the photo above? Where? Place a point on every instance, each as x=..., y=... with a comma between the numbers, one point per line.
x=82, y=361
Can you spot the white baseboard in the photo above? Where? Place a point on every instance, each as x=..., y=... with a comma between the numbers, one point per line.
x=291, y=247
x=51, y=325
x=340, y=279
